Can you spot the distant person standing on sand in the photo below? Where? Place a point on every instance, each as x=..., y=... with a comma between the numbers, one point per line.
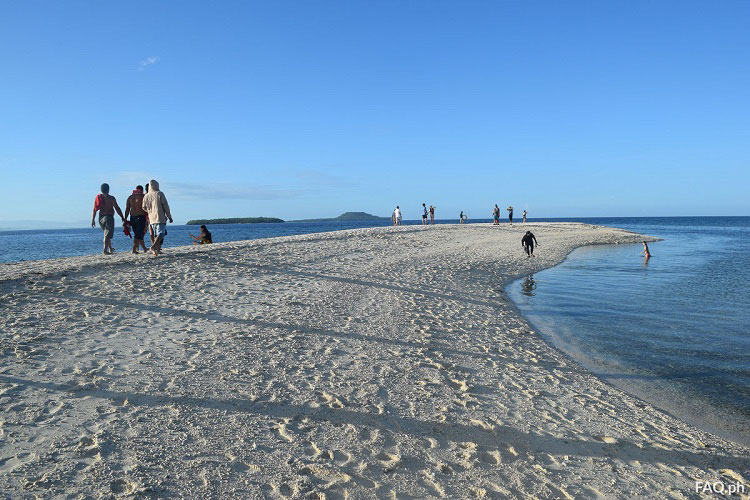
x=424, y=214
x=461, y=217
x=155, y=204
x=496, y=215
x=106, y=205
x=527, y=242
x=510, y=214
x=432, y=215
x=393, y=217
x=134, y=207
x=524, y=216
x=397, y=215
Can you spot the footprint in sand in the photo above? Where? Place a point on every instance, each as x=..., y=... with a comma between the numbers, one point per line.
x=281, y=431
x=607, y=439
x=388, y=460
x=432, y=484
x=369, y=436
x=491, y=457
x=342, y=457
x=122, y=487
x=285, y=490
x=314, y=451
x=331, y=401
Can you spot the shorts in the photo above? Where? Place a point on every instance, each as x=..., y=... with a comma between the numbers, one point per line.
x=160, y=230
x=497, y=219
x=107, y=223
x=138, y=222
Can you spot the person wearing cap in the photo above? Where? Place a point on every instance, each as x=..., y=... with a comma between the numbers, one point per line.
x=106, y=205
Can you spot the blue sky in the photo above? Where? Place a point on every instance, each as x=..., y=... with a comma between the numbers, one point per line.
x=310, y=109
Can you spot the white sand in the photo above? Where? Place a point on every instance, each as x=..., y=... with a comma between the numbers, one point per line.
x=372, y=362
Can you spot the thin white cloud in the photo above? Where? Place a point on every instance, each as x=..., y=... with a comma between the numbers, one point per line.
x=225, y=191
x=296, y=185
x=149, y=61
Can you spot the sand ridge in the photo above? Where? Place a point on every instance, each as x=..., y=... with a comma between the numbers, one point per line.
x=373, y=362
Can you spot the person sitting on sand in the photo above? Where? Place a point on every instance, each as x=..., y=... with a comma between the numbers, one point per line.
x=510, y=214
x=646, y=253
x=156, y=206
x=134, y=207
x=496, y=215
x=527, y=242
x=204, y=238
x=106, y=205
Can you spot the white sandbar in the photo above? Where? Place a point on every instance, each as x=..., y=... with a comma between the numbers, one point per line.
x=369, y=362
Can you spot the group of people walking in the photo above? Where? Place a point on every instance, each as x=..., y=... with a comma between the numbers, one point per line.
x=146, y=209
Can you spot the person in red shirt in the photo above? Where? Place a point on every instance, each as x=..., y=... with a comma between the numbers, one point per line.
x=106, y=205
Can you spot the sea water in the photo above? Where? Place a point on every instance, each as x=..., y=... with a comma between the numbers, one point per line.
x=673, y=330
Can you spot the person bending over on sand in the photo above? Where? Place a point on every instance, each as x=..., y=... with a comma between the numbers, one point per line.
x=106, y=205
x=134, y=207
x=524, y=216
x=646, y=253
x=527, y=242
x=496, y=215
x=432, y=215
x=510, y=214
x=203, y=238
x=156, y=206
x=424, y=214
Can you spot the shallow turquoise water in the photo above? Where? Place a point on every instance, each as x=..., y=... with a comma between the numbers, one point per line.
x=674, y=330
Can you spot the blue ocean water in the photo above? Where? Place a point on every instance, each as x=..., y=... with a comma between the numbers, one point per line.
x=674, y=330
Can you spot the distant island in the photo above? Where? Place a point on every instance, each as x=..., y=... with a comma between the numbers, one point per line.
x=234, y=220
x=347, y=216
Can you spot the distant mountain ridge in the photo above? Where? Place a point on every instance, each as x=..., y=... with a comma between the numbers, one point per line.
x=347, y=216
